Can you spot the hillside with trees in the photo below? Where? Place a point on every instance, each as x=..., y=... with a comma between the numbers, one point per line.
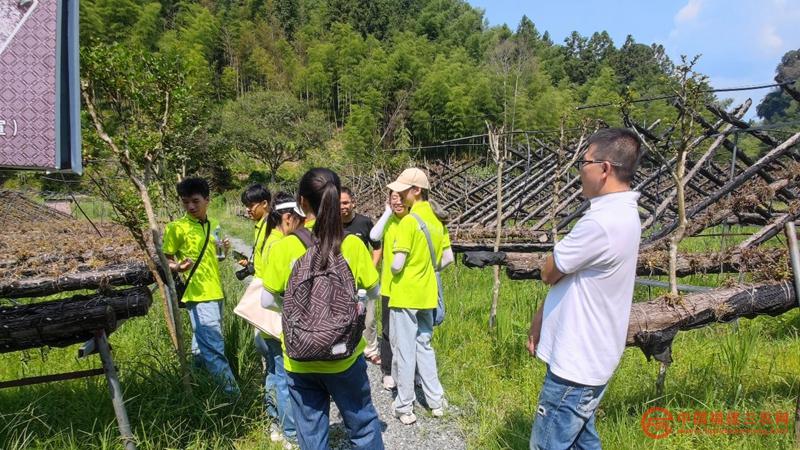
x=358, y=75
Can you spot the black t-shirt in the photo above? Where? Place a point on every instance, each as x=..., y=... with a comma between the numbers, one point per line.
x=361, y=226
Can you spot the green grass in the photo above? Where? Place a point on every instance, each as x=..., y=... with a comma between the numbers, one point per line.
x=488, y=375
x=718, y=368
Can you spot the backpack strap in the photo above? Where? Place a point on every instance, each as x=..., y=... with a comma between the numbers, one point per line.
x=261, y=229
x=427, y=233
x=439, y=312
x=305, y=236
x=199, y=258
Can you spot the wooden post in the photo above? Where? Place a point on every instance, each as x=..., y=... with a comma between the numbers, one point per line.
x=115, y=390
x=794, y=255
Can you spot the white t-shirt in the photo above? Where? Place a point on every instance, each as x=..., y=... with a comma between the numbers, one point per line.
x=586, y=313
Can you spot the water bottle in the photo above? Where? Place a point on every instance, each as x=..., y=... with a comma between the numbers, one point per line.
x=362, y=301
x=220, y=245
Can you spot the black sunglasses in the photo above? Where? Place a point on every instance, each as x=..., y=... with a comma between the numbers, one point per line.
x=582, y=162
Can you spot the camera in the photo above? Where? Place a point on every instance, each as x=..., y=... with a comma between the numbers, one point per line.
x=245, y=272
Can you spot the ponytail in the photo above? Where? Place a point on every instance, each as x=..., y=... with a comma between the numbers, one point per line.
x=321, y=188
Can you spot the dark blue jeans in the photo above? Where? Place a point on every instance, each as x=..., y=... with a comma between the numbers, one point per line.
x=565, y=415
x=311, y=402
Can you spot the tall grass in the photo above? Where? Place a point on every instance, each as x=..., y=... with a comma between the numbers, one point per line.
x=488, y=376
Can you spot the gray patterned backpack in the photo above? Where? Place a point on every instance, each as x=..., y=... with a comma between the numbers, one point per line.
x=321, y=320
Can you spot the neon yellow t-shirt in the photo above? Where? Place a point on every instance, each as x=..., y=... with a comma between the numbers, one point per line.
x=388, y=255
x=259, y=246
x=274, y=236
x=415, y=286
x=184, y=238
x=283, y=255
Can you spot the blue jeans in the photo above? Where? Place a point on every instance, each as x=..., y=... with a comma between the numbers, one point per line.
x=311, y=399
x=276, y=397
x=565, y=415
x=208, y=345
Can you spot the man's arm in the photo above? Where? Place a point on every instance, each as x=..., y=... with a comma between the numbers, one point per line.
x=376, y=256
x=550, y=273
x=535, y=331
x=175, y=266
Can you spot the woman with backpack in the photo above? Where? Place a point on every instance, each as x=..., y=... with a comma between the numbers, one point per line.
x=313, y=278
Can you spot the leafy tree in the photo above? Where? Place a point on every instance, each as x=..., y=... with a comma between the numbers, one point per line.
x=777, y=106
x=135, y=101
x=271, y=126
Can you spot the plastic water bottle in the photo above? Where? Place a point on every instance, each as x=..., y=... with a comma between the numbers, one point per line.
x=362, y=301
x=220, y=245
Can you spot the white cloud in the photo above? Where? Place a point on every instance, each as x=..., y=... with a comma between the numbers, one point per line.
x=770, y=39
x=689, y=12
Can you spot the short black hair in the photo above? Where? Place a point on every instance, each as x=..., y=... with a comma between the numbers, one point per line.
x=346, y=190
x=619, y=145
x=191, y=186
x=256, y=193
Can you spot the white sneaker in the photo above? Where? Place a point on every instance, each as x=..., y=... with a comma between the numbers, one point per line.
x=406, y=418
x=439, y=412
x=275, y=433
x=388, y=382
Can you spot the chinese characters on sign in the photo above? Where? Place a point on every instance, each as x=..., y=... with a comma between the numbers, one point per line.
x=12, y=127
x=659, y=423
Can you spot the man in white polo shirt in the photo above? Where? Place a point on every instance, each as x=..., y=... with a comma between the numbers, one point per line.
x=579, y=331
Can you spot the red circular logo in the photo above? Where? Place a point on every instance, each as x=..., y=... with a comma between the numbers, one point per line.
x=656, y=422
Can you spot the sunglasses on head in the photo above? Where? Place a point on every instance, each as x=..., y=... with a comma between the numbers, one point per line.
x=582, y=162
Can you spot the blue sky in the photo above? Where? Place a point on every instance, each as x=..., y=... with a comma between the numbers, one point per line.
x=741, y=41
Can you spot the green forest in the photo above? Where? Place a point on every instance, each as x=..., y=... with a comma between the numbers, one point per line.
x=260, y=90
x=311, y=81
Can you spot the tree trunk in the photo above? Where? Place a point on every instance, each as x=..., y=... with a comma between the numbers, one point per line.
x=654, y=324
x=527, y=266
x=494, y=143
x=677, y=237
x=166, y=287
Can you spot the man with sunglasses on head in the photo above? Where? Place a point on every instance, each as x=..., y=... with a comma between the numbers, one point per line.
x=579, y=331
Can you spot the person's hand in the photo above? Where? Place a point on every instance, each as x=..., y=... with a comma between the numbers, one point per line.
x=184, y=265
x=226, y=243
x=243, y=262
x=388, y=204
x=533, y=341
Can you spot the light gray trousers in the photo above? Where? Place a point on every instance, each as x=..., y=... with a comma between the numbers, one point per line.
x=371, y=330
x=410, y=332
